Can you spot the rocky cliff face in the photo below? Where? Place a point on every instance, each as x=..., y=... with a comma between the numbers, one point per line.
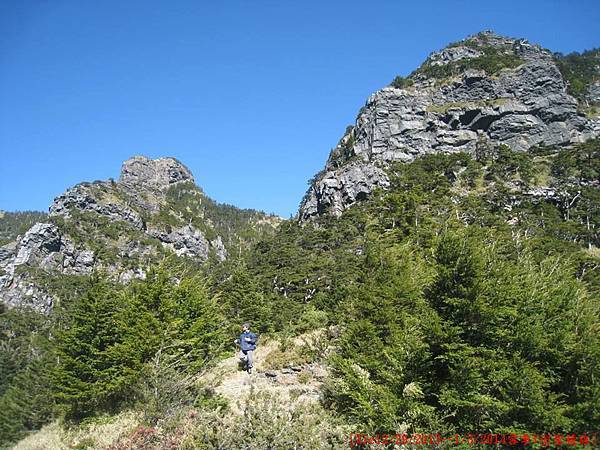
x=485, y=90
x=145, y=173
x=154, y=210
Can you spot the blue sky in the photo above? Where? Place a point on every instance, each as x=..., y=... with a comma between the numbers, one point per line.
x=250, y=95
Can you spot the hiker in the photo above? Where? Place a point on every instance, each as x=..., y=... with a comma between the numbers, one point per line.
x=247, y=343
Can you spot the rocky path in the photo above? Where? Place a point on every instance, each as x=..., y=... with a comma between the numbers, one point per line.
x=292, y=384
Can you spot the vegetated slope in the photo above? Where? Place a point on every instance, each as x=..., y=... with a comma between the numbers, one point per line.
x=122, y=227
x=13, y=224
x=454, y=291
x=547, y=198
x=467, y=285
x=453, y=223
x=451, y=244
x=582, y=73
x=279, y=402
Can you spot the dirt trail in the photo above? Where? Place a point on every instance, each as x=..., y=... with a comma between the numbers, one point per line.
x=291, y=384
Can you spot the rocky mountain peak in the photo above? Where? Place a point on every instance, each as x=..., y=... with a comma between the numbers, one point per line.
x=493, y=39
x=484, y=90
x=485, y=43
x=161, y=173
x=154, y=211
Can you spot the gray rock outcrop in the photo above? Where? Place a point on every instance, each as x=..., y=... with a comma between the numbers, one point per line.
x=191, y=242
x=519, y=106
x=345, y=186
x=88, y=197
x=452, y=54
x=138, y=196
x=187, y=241
x=43, y=247
x=143, y=172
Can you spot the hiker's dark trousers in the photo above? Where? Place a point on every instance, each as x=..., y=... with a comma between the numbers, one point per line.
x=248, y=357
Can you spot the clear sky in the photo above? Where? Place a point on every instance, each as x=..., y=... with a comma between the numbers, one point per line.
x=250, y=95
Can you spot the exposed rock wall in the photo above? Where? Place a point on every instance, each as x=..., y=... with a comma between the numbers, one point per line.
x=137, y=196
x=43, y=247
x=519, y=106
x=143, y=172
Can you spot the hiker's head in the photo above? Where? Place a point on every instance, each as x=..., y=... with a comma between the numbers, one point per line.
x=246, y=326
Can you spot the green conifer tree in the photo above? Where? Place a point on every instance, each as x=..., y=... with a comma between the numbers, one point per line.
x=101, y=351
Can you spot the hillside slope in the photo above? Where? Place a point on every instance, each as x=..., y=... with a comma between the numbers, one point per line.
x=280, y=404
x=460, y=293
x=121, y=227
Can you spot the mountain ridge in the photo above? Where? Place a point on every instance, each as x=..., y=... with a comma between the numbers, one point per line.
x=154, y=210
x=484, y=90
x=461, y=295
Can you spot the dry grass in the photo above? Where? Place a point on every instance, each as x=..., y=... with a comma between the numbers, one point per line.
x=99, y=435
x=593, y=251
x=275, y=423
x=280, y=357
x=50, y=436
x=592, y=112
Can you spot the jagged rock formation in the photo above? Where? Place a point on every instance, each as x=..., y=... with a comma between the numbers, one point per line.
x=484, y=90
x=87, y=197
x=155, y=209
x=142, y=172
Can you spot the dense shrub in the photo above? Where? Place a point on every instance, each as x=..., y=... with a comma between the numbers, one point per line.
x=402, y=82
x=482, y=342
x=113, y=332
x=267, y=422
x=580, y=70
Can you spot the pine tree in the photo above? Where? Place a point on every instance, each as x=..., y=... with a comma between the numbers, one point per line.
x=25, y=362
x=27, y=403
x=101, y=352
x=244, y=301
x=195, y=324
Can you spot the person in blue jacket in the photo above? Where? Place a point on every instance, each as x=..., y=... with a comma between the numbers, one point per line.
x=247, y=343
